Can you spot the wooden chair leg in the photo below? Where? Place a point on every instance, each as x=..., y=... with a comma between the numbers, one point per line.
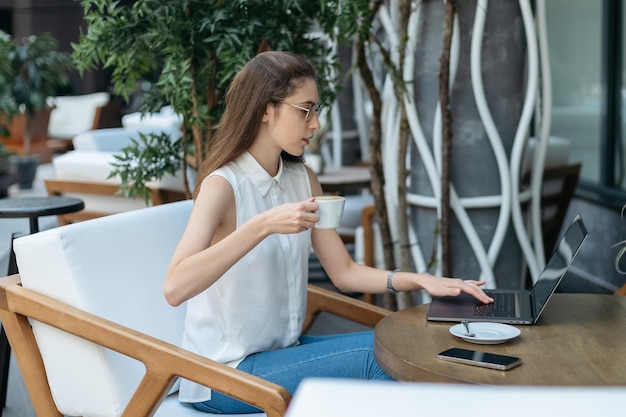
x=5, y=359
x=367, y=221
x=5, y=347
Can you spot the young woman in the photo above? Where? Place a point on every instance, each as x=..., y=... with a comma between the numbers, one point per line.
x=242, y=262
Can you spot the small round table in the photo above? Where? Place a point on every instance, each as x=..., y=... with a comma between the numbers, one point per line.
x=33, y=208
x=36, y=207
x=345, y=179
x=580, y=340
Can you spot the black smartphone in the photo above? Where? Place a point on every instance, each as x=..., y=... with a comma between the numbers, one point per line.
x=483, y=359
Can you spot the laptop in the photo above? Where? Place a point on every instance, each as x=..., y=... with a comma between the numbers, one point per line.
x=515, y=306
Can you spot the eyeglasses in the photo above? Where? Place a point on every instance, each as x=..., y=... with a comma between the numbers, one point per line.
x=308, y=112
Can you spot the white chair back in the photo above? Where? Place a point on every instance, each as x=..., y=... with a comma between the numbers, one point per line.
x=72, y=115
x=113, y=267
x=115, y=138
x=163, y=119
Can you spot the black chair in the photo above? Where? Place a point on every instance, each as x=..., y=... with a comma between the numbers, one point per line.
x=559, y=185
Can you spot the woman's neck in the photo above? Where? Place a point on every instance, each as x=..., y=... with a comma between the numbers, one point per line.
x=268, y=160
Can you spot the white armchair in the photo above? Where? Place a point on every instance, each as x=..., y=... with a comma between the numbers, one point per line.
x=73, y=115
x=93, y=289
x=84, y=172
x=163, y=119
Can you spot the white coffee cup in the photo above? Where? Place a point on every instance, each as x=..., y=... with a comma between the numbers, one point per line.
x=330, y=211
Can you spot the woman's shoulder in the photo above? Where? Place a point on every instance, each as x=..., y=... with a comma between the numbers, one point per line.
x=226, y=174
x=229, y=171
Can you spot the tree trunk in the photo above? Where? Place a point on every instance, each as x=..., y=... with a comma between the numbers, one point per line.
x=376, y=162
x=404, y=299
x=444, y=98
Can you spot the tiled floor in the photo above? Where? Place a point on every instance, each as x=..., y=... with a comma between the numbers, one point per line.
x=18, y=402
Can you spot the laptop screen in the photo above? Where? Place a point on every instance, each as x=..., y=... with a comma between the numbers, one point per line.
x=558, y=264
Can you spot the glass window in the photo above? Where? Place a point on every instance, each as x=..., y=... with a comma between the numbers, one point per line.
x=575, y=43
x=620, y=163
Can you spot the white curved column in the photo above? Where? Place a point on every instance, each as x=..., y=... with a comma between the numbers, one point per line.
x=508, y=202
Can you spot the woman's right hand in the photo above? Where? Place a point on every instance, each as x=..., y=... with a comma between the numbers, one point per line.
x=291, y=217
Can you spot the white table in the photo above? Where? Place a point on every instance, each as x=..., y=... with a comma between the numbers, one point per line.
x=348, y=398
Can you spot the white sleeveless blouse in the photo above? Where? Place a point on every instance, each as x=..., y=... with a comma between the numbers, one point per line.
x=260, y=302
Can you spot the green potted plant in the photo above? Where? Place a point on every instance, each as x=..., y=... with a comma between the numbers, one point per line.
x=195, y=48
x=8, y=176
x=32, y=71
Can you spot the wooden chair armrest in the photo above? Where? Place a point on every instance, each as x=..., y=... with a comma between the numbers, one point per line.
x=57, y=187
x=164, y=362
x=323, y=300
x=367, y=221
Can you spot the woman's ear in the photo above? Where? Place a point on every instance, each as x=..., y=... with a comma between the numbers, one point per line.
x=269, y=113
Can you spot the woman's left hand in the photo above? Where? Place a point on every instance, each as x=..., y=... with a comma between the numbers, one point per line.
x=440, y=287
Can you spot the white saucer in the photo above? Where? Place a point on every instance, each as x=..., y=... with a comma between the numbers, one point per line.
x=486, y=333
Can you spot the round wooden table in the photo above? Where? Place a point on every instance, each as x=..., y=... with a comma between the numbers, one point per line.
x=579, y=340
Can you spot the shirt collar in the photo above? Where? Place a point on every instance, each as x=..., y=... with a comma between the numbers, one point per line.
x=259, y=176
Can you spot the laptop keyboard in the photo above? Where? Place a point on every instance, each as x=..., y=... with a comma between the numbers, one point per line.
x=503, y=306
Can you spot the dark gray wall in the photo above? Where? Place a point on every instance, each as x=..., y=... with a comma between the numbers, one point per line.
x=63, y=19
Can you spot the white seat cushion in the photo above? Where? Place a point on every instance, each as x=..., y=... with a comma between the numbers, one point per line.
x=164, y=119
x=91, y=162
x=92, y=166
x=96, y=167
x=116, y=138
x=105, y=140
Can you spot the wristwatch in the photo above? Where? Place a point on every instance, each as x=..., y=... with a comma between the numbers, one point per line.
x=390, y=281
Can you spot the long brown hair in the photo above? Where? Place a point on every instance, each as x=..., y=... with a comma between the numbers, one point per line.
x=267, y=78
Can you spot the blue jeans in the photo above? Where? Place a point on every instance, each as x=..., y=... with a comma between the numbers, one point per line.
x=348, y=355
